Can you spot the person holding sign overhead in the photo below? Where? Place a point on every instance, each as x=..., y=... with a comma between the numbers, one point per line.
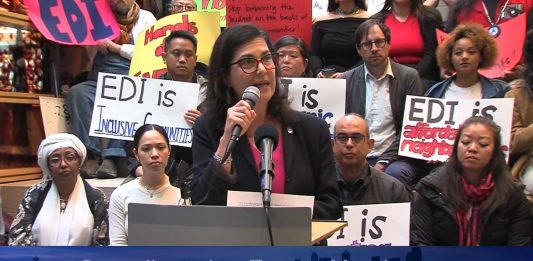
x=243, y=56
x=113, y=56
x=359, y=183
x=332, y=43
x=152, y=150
x=467, y=49
x=472, y=200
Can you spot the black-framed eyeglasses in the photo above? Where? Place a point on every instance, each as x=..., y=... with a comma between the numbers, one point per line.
x=343, y=138
x=68, y=158
x=368, y=45
x=181, y=8
x=249, y=64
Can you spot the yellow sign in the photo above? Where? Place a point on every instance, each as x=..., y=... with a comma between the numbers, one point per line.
x=147, y=61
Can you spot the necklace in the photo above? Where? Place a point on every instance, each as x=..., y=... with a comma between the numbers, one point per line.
x=349, y=12
x=152, y=189
x=494, y=28
x=62, y=205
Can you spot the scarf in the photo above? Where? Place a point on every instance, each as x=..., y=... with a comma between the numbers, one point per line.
x=73, y=227
x=126, y=24
x=470, y=221
x=57, y=141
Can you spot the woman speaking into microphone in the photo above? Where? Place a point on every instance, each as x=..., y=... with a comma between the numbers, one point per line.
x=303, y=160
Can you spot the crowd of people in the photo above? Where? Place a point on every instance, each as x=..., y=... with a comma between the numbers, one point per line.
x=474, y=198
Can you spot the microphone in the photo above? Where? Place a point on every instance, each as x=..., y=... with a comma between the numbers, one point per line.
x=251, y=96
x=266, y=139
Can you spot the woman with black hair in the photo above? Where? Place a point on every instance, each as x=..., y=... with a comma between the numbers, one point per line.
x=472, y=200
x=243, y=56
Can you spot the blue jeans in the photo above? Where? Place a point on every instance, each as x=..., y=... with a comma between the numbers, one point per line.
x=80, y=103
x=404, y=170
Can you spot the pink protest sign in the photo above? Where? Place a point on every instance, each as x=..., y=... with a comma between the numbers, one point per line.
x=75, y=22
x=510, y=43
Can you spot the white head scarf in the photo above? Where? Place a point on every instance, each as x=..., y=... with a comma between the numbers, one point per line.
x=58, y=141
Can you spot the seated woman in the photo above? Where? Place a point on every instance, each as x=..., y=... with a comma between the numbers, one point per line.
x=151, y=148
x=467, y=49
x=63, y=209
x=472, y=200
x=293, y=57
x=332, y=38
x=303, y=160
x=522, y=128
x=413, y=36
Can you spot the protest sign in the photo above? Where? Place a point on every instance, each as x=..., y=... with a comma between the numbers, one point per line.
x=55, y=115
x=374, y=225
x=277, y=17
x=213, y=6
x=147, y=58
x=124, y=103
x=430, y=124
x=75, y=22
x=324, y=98
x=320, y=8
x=510, y=43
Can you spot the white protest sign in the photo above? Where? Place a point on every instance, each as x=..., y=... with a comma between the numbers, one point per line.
x=124, y=103
x=430, y=124
x=55, y=115
x=374, y=225
x=320, y=8
x=324, y=98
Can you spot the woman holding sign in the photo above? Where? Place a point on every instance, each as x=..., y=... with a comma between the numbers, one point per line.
x=468, y=48
x=243, y=56
x=472, y=200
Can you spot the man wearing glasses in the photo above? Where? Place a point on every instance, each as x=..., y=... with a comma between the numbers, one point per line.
x=359, y=183
x=181, y=6
x=377, y=90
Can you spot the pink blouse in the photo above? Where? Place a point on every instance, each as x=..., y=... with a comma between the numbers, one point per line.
x=278, y=185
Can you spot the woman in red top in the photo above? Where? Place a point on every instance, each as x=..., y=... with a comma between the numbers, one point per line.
x=413, y=36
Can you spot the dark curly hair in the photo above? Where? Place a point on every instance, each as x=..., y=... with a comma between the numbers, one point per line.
x=483, y=41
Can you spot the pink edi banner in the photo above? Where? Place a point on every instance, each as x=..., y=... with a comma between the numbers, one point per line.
x=510, y=43
x=74, y=22
x=277, y=17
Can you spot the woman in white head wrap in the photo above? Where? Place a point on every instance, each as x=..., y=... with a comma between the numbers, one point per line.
x=63, y=209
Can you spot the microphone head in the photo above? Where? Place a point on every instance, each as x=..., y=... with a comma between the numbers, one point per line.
x=266, y=131
x=251, y=95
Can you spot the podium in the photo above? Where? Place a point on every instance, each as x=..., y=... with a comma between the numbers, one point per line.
x=164, y=225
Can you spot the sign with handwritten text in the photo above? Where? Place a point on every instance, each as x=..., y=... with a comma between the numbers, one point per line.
x=124, y=103
x=324, y=98
x=277, y=17
x=74, y=22
x=510, y=44
x=320, y=8
x=374, y=225
x=213, y=6
x=55, y=115
x=147, y=58
x=430, y=125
